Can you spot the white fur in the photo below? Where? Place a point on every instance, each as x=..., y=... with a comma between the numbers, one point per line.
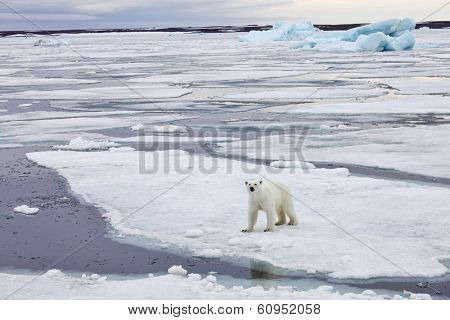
x=272, y=198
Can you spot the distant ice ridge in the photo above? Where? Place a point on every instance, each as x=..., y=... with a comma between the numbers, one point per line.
x=388, y=35
x=50, y=42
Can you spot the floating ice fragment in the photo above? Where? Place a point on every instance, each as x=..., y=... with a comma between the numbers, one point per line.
x=177, y=270
x=26, y=210
x=211, y=278
x=137, y=127
x=194, y=276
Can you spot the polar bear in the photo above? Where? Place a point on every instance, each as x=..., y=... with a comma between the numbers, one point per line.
x=273, y=198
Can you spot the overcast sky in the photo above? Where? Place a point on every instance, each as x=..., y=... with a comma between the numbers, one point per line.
x=55, y=14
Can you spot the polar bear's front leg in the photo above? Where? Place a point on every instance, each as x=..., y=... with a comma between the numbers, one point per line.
x=270, y=213
x=252, y=217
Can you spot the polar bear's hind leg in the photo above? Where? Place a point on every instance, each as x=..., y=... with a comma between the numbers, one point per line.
x=290, y=212
x=281, y=217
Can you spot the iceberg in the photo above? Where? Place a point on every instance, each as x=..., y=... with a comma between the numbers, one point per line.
x=388, y=35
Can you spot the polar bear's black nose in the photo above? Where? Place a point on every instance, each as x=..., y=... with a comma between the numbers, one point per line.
x=252, y=189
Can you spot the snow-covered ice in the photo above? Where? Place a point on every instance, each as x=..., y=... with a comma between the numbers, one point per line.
x=56, y=285
x=26, y=210
x=137, y=127
x=177, y=270
x=392, y=105
x=300, y=93
x=81, y=144
x=131, y=92
x=51, y=42
x=414, y=218
x=422, y=149
x=201, y=75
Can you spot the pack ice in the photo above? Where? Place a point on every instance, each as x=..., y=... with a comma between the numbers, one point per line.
x=388, y=35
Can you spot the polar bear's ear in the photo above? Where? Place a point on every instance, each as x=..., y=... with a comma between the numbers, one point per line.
x=260, y=181
x=246, y=182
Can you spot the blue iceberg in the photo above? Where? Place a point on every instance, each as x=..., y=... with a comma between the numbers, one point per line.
x=388, y=35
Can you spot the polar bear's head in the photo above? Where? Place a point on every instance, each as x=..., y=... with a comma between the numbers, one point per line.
x=253, y=185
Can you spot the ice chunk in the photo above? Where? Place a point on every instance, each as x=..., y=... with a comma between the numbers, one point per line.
x=26, y=210
x=211, y=278
x=137, y=127
x=381, y=42
x=177, y=270
x=80, y=144
x=194, y=277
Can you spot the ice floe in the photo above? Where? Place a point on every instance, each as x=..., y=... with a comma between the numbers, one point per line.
x=56, y=285
x=131, y=92
x=413, y=217
x=422, y=150
x=34, y=81
x=299, y=93
x=396, y=105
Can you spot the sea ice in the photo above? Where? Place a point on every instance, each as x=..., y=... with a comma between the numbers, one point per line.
x=131, y=92
x=177, y=270
x=194, y=233
x=80, y=144
x=422, y=150
x=137, y=127
x=51, y=42
x=57, y=285
x=393, y=105
x=414, y=217
x=299, y=93
x=26, y=210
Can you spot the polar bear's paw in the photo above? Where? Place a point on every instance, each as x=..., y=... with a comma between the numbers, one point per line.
x=246, y=230
x=268, y=230
x=292, y=223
